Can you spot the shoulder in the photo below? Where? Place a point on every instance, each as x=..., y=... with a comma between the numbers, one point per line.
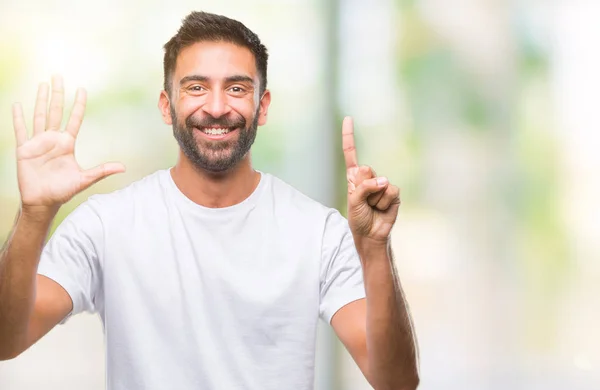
x=289, y=196
x=151, y=183
x=291, y=200
x=124, y=200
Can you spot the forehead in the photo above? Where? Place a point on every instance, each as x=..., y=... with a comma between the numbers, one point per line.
x=215, y=60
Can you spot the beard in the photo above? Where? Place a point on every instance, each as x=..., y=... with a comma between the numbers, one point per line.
x=215, y=156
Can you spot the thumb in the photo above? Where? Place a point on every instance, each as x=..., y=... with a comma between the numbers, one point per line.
x=371, y=186
x=94, y=175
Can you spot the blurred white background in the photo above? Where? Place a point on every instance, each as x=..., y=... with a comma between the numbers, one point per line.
x=483, y=111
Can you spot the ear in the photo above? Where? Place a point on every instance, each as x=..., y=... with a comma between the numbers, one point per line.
x=164, y=105
x=264, y=108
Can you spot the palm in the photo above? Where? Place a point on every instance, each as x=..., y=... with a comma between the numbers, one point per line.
x=47, y=171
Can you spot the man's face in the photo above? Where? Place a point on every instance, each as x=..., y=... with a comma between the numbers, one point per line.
x=215, y=107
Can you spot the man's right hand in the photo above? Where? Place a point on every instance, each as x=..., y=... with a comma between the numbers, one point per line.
x=47, y=171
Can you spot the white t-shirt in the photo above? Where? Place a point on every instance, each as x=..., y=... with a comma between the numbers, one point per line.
x=198, y=298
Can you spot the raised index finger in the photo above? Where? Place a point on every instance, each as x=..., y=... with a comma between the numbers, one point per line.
x=348, y=143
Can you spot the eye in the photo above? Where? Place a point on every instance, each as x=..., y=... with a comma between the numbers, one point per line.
x=237, y=90
x=196, y=90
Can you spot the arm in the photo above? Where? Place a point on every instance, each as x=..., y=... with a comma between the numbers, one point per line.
x=48, y=176
x=30, y=305
x=377, y=331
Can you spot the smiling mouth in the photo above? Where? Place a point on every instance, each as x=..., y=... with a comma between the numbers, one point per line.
x=216, y=130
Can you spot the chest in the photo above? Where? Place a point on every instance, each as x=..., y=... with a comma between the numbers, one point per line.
x=212, y=303
x=242, y=272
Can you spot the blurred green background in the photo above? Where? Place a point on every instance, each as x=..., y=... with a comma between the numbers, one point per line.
x=483, y=112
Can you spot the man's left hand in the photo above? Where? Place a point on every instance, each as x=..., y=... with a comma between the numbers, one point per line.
x=373, y=202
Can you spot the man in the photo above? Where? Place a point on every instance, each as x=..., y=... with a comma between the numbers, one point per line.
x=208, y=275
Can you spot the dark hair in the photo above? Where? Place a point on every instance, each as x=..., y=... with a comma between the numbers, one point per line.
x=203, y=26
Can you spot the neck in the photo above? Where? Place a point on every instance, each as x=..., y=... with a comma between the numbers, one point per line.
x=215, y=190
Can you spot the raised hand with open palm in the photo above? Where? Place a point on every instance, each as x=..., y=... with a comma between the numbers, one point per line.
x=47, y=171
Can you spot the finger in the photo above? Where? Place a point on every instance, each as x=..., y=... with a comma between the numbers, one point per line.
x=371, y=186
x=77, y=113
x=373, y=199
x=362, y=173
x=94, y=175
x=390, y=196
x=365, y=172
x=41, y=106
x=19, y=124
x=348, y=145
x=57, y=101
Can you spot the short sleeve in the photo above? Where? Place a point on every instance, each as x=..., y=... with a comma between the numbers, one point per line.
x=71, y=257
x=341, y=271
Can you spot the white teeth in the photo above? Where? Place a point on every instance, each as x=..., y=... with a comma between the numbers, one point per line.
x=215, y=131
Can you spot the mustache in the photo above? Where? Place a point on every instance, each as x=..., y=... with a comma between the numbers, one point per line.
x=222, y=122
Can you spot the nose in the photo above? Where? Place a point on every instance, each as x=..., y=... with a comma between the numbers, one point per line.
x=216, y=104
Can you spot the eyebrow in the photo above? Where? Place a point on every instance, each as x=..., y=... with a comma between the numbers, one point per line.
x=230, y=79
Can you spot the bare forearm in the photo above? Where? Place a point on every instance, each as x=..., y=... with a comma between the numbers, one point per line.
x=390, y=340
x=19, y=260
